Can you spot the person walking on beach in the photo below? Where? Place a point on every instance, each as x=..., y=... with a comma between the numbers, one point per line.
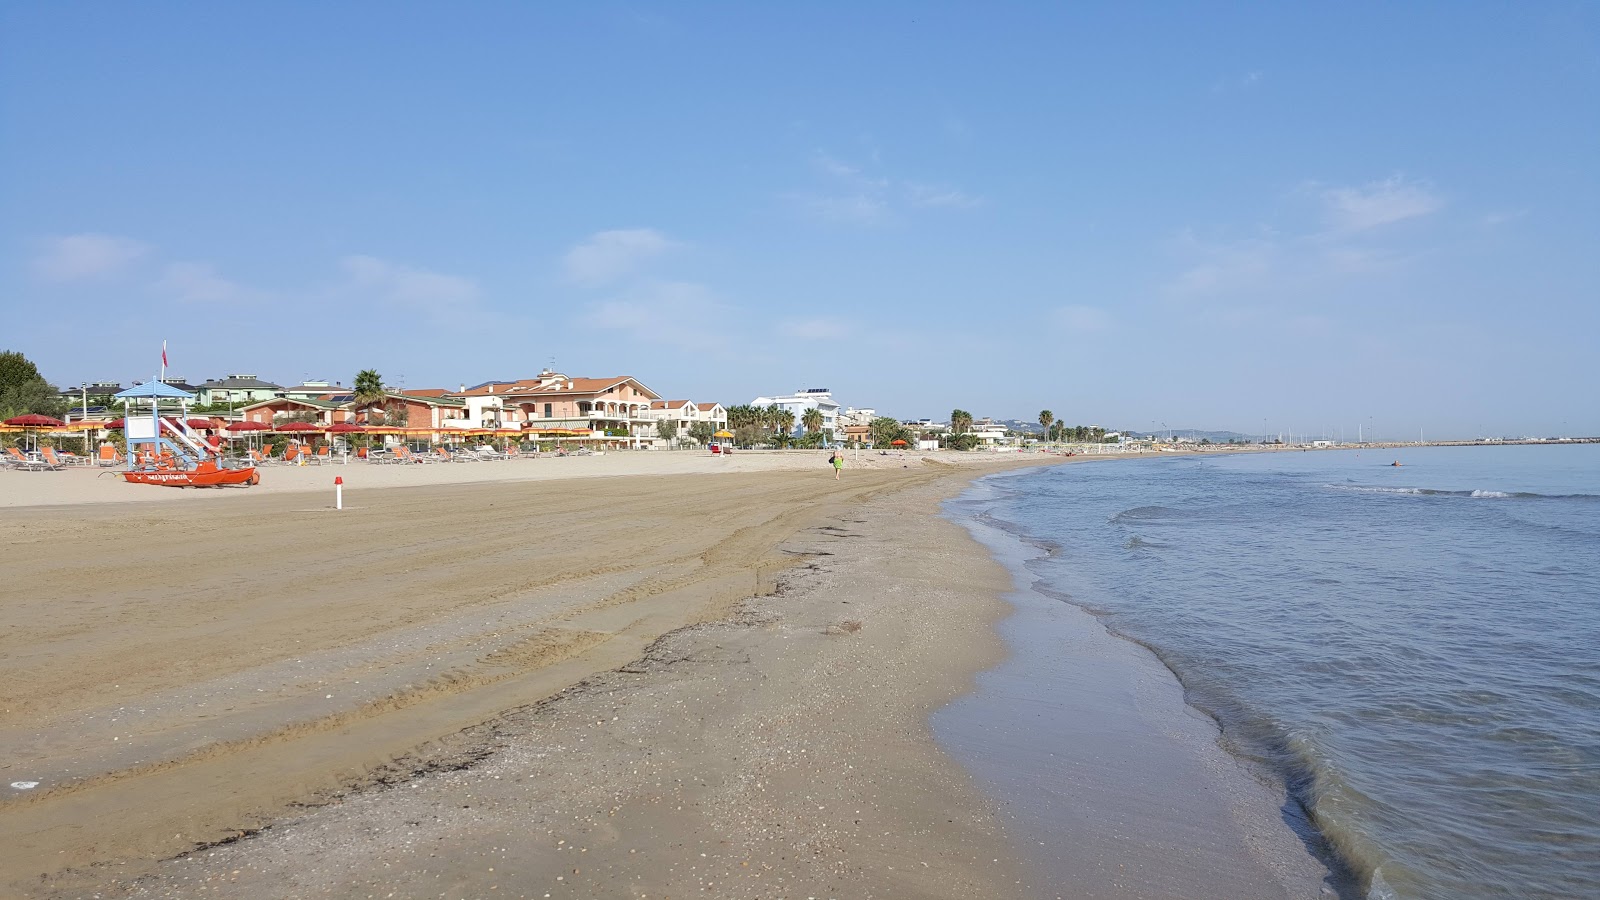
x=837, y=461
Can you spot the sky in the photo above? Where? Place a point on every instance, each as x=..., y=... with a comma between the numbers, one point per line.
x=1255, y=217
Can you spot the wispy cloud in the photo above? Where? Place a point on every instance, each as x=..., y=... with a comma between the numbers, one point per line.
x=823, y=329
x=84, y=256
x=682, y=314
x=190, y=282
x=609, y=256
x=418, y=290
x=930, y=195
x=1351, y=209
x=852, y=193
x=1350, y=241
x=1082, y=319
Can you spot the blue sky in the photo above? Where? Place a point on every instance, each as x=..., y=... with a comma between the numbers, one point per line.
x=1252, y=217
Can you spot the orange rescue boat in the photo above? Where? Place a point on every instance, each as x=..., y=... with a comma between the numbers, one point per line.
x=207, y=474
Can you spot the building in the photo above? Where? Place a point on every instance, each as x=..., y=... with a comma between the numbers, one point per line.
x=820, y=399
x=239, y=389
x=316, y=389
x=685, y=414
x=423, y=409
x=861, y=416
x=556, y=405
x=990, y=433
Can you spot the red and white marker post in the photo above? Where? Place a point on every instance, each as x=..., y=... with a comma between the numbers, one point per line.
x=338, y=492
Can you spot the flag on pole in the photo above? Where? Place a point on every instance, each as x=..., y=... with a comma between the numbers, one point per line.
x=163, y=354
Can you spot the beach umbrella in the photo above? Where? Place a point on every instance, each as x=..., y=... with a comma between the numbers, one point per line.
x=297, y=427
x=113, y=425
x=32, y=422
x=346, y=428
x=897, y=442
x=246, y=425
x=723, y=433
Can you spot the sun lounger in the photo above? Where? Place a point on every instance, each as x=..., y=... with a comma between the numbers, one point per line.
x=20, y=461
x=57, y=460
x=109, y=457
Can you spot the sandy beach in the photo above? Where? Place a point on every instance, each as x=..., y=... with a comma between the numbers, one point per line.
x=696, y=677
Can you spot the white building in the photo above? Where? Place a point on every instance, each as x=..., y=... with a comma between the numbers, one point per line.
x=851, y=415
x=990, y=433
x=820, y=399
x=685, y=414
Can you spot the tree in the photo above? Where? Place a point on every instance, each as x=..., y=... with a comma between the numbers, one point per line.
x=369, y=389
x=702, y=431
x=1045, y=418
x=960, y=421
x=812, y=420
x=667, y=429
x=23, y=390
x=884, y=430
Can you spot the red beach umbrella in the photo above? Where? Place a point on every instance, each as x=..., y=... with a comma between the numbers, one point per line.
x=897, y=443
x=246, y=425
x=113, y=425
x=34, y=420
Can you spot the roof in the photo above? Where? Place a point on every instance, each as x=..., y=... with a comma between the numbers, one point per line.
x=669, y=404
x=242, y=383
x=313, y=402
x=155, y=389
x=427, y=392
x=548, y=386
x=712, y=405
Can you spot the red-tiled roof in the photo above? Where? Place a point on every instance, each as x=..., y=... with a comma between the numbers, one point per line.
x=554, y=388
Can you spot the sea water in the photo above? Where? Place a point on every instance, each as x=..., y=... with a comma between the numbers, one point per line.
x=1413, y=651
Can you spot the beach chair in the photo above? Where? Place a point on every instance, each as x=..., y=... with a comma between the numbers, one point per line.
x=324, y=454
x=55, y=460
x=257, y=458
x=109, y=457
x=19, y=461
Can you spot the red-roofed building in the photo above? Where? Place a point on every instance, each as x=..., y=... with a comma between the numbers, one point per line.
x=614, y=409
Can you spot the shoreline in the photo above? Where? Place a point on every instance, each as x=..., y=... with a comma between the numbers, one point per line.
x=782, y=672
x=1136, y=738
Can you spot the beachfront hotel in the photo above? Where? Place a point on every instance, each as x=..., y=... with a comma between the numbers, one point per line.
x=820, y=399
x=619, y=407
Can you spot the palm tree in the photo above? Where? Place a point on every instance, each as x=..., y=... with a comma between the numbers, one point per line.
x=783, y=419
x=1045, y=418
x=812, y=420
x=960, y=421
x=369, y=390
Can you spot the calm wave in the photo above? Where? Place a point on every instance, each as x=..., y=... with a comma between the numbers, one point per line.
x=1415, y=649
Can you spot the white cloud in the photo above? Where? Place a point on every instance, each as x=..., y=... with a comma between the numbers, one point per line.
x=1380, y=203
x=608, y=256
x=81, y=256
x=814, y=329
x=847, y=193
x=415, y=289
x=859, y=209
x=1083, y=319
x=927, y=195
x=190, y=282
x=677, y=313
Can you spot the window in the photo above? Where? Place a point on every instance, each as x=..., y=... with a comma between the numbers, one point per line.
x=547, y=411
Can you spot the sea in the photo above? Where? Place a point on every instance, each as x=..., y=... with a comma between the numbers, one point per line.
x=1411, y=652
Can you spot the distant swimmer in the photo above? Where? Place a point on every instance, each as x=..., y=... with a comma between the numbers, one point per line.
x=1395, y=463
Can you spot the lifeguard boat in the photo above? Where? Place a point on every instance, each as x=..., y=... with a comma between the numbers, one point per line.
x=206, y=474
